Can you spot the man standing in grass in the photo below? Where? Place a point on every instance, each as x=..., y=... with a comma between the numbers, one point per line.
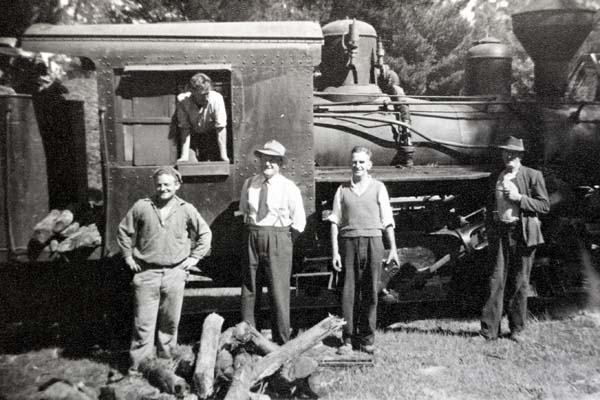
x=161, y=239
x=272, y=208
x=514, y=233
x=361, y=212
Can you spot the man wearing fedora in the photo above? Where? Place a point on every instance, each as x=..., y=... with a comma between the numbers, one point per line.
x=272, y=208
x=514, y=232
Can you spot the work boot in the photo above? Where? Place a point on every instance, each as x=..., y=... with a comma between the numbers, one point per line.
x=345, y=349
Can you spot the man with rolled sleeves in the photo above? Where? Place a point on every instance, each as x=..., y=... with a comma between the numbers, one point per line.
x=273, y=211
x=161, y=238
x=514, y=232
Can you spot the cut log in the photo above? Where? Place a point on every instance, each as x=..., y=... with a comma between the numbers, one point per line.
x=258, y=396
x=64, y=219
x=129, y=389
x=245, y=377
x=53, y=246
x=69, y=230
x=264, y=345
x=241, y=359
x=160, y=374
x=224, y=365
x=184, y=358
x=226, y=339
x=86, y=236
x=44, y=229
x=204, y=373
x=58, y=389
x=298, y=368
x=320, y=382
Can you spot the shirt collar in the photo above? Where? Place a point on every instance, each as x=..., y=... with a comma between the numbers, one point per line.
x=364, y=182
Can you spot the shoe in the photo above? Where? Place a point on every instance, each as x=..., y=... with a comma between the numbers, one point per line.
x=487, y=337
x=367, y=348
x=518, y=337
x=345, y=349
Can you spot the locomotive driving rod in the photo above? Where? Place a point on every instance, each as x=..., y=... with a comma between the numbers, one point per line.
x=391, y=122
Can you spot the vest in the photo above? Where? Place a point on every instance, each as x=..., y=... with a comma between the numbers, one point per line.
x=361, y=215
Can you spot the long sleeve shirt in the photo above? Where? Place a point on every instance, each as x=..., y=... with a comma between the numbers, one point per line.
x=284, y=202
x=183, y=233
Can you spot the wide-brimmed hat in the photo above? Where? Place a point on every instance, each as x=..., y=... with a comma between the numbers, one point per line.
x=512, y=143
x=271, y=148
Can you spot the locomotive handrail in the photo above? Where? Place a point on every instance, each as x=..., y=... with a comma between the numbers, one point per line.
x=104, y=163
x=387, y=121
x=402, y=95
x=10, y=245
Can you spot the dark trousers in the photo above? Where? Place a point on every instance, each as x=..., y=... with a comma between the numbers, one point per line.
x=269, y=260
x=509, y=281
x=362, y=258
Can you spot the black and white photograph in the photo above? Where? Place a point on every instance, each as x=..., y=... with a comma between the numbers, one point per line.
x=299, y=199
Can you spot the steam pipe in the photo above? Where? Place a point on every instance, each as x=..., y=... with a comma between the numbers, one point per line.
x=402, y=124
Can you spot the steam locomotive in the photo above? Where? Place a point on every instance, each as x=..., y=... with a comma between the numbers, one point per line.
x=317, y=91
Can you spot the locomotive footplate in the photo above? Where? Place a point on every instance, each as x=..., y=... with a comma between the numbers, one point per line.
x=418, y=173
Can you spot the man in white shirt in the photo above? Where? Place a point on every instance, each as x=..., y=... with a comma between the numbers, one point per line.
x=272, y=208
x=202, y=122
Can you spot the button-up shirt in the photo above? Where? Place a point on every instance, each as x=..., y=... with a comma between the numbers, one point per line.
x=166, y=242
x=203, y=119
x=508, y=211
x=284, y=202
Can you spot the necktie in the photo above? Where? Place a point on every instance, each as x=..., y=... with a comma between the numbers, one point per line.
x=262, y=201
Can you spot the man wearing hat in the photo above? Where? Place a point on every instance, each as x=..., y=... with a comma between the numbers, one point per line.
x=162, y=238
x=514, y=231
x=272, y=208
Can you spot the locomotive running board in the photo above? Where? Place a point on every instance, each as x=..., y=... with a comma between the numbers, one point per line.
x=418, y=173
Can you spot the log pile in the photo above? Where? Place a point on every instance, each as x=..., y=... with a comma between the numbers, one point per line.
x=60, y=234
x=238, y=363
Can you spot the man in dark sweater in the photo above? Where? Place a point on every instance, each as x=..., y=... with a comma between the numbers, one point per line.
x=161, y=238
x=361, y=212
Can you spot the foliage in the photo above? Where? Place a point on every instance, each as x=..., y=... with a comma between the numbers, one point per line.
x=426, y=40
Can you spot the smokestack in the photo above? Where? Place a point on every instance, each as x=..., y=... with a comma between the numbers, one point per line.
x=551, y=31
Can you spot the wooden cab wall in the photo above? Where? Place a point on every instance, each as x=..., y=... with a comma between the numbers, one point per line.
x=263, y=70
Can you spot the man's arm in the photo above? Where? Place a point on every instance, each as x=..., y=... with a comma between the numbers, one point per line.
x=184, y=135
x=183, y=126
x=200, y=234
x=125, y=234
x=387, y=220
x=297, y=213
x=538, y=202
x=335, y=217
x=336, y=260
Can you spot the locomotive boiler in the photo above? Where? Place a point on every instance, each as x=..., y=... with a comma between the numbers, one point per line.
x=319, y=92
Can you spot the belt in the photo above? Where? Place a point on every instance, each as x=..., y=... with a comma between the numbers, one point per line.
x=146, y=265
x=268, y=228
x=503, y=224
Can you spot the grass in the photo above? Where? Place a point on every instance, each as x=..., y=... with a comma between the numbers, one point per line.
x=438, y=358
x=444, y=359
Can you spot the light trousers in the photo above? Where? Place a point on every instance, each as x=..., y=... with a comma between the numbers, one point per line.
x=158, y=298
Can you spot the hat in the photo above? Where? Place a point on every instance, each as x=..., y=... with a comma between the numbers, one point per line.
x=167, y=170
x=512, y=143
x=271, y=148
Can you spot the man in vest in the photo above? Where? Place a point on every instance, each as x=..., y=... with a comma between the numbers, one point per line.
x=361, y=212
